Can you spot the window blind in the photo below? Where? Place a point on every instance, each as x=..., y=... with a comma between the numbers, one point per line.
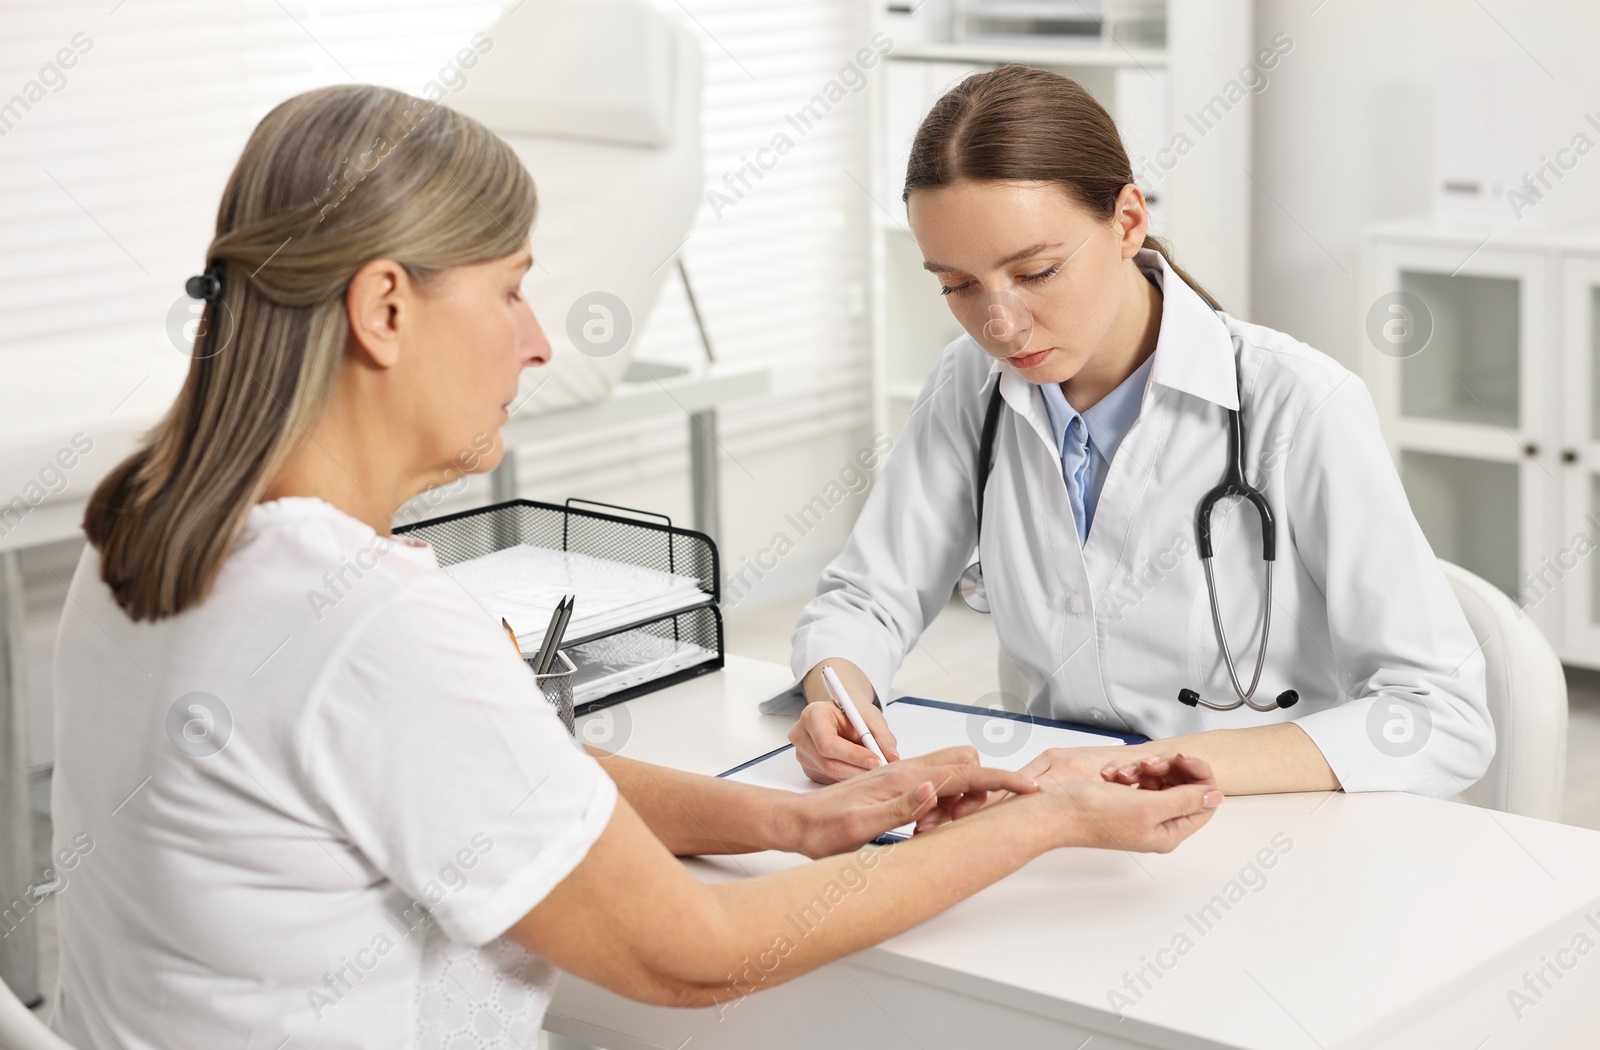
x=119, y=123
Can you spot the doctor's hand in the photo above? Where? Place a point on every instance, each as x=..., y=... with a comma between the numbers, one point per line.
x=845, y=815
x=828, y=749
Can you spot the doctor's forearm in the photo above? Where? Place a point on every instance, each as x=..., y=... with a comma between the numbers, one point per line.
x=1253, y=761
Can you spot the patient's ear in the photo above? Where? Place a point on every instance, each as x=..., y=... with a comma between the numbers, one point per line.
x=380, y=297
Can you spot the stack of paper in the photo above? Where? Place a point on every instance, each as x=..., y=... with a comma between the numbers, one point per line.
x=522, y=584
x=620, y=661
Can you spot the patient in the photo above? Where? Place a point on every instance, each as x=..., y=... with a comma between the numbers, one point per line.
x=357, y=822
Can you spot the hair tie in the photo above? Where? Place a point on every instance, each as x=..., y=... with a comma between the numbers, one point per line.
x=208, y=285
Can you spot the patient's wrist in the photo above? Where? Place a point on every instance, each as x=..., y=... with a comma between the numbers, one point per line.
x=788, y=828
x=1025, y=821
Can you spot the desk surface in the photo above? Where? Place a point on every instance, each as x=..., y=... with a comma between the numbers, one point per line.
x=1302, y=920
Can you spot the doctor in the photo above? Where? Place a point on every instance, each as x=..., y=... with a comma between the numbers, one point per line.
x=1117, y=377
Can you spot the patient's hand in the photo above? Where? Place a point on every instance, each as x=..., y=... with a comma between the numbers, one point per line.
x=1152, y=772
x=1155, y=772
x=949, y=783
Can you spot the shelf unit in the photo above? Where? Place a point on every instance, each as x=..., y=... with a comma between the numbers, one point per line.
x=1153, y=65
x=1488, y=393
x=1050, y=56
x=1057, y=22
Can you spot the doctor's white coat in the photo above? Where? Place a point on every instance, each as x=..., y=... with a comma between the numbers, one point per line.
x=1364, y=624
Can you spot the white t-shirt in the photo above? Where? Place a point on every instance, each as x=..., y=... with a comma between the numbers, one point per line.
x=391, y=793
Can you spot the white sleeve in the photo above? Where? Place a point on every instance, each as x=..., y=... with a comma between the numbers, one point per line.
x=442, y=762
x=1418, y=717
x=913, y=538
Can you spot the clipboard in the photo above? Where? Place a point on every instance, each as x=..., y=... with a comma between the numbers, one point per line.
x=1004, y=739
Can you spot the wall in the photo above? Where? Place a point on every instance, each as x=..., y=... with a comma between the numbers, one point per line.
x=1344, y=135
x=779, y=271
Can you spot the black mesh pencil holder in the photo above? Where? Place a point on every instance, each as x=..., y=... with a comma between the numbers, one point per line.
x=650, y=543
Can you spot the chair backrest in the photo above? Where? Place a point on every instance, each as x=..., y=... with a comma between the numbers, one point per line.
x=1527, y=700
x=20, y=1029
x=600, y=70
x=1527, y=694
x=601, y=101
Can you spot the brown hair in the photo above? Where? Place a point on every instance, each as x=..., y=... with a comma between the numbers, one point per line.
x=1027, y=124
x=329, y=181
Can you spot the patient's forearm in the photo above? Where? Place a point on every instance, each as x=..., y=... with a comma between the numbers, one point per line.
x=1255, y=760
x=695, y=815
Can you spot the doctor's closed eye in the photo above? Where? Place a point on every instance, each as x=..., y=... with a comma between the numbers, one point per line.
x=1031, y=278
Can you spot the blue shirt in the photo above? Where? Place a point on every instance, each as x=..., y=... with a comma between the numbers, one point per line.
x=1086, y=441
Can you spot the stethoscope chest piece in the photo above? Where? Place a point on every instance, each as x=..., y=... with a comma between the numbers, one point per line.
x=971, y=588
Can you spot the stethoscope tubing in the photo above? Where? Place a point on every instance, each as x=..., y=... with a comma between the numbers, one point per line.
x=1233, y=483
x=1245, y=696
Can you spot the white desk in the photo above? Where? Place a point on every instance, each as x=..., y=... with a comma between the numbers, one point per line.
x=1390, y=921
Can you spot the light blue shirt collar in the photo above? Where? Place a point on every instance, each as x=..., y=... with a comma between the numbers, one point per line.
x=1107, y=421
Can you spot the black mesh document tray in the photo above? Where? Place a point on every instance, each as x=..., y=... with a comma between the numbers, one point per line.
x=474, y=533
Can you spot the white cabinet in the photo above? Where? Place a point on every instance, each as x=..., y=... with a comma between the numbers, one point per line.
x=1574, y=557
x=1175, y=77
x=1480, y=348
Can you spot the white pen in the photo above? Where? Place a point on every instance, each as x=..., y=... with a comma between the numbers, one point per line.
x=841, y=700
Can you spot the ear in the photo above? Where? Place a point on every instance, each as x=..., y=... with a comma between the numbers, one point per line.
x=377, y=297
x=1132, y=219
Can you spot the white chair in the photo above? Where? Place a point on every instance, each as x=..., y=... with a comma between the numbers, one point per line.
x=601, y=101
x=20, y=1029
x=1527, y=700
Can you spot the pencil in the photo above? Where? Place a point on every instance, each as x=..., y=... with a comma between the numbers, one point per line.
x=543, y=655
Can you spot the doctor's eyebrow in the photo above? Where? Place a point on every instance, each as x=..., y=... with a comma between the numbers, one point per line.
x=1028, y=252
x=524, y=261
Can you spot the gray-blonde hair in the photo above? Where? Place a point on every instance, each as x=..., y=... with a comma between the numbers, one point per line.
x=329, y=181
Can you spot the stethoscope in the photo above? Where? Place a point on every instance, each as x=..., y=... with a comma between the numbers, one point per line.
x=1233, y=484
